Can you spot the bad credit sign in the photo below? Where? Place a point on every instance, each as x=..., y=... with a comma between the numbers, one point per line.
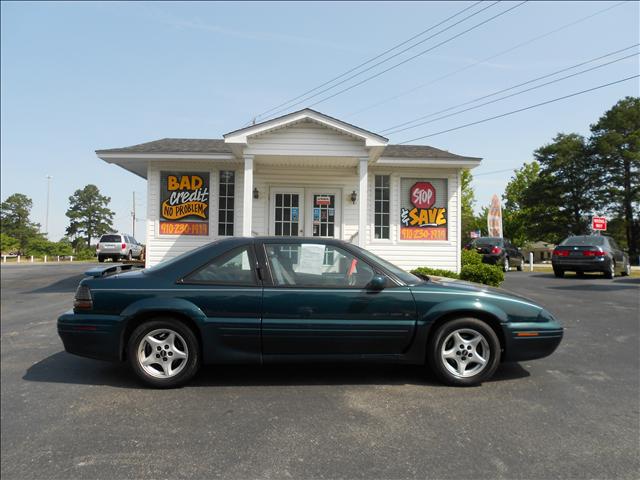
x=184, y=203
x=599, y=223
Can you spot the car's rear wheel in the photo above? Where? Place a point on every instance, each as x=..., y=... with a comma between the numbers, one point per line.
x=464, y=352
x=100, y=258
x=558, y=273
x=520, y=266
x=505, y=265
x=164, y=353
x=611, y=272
x=627, y=269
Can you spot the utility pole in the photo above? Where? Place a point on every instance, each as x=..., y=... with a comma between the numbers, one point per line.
x=133, y=216
x=46, y=218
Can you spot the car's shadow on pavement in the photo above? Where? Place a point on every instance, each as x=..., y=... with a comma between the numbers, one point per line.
x=68, y=284
x=62, y=367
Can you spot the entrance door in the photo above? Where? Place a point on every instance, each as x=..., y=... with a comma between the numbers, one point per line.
x=287, y=212
x=323, y=213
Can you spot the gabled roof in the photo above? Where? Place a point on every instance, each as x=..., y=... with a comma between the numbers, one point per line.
x=218, y=146
x=371, y=139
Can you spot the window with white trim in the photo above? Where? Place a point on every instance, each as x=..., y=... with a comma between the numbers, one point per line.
x=226, y=202
x=382, y=206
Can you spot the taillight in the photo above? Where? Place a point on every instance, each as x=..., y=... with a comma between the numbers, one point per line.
x=561, y=253
x=124, y=246
x=496, y=250
x=593, y=253
x=83, y=300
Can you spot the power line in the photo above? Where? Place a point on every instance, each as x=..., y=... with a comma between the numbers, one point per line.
x=510, y=95
x=495, y=171
x=371, y=59
x=400, y=63
x=492, y=57
x=520, y=110
x=419, y=54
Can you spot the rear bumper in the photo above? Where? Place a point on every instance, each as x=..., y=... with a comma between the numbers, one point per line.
x=92, y=336
x=492, y=259
x=596, y=264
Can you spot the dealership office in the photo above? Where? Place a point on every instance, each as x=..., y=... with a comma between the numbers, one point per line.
x=302, y=174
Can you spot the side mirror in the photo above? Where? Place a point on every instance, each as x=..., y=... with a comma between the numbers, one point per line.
x=377, y=283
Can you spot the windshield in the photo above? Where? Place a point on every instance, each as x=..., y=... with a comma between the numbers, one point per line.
x=110, y=238
x=172, y=261
x=584, y=240
x=403, y=275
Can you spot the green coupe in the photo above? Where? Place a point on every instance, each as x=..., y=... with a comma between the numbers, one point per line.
x=287, y=299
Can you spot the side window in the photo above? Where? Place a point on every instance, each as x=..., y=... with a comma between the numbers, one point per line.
x=316, y=265
x=234, y=267
x=613, y=244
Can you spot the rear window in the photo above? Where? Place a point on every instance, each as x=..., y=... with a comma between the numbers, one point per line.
x=585, y=240
x=110, y=238
x=484, y=241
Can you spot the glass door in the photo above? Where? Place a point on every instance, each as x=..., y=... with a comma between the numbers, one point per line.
x=287, y=212
x=324, y=213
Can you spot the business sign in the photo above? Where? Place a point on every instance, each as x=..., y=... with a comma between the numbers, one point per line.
x=494, y=218
x=599, y=223
x=423, y=213
x=184, y=203
x=474, y=234
x=323, y=200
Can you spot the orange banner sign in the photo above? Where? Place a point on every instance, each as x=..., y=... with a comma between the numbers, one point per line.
x=423, y=233
x=184, y=228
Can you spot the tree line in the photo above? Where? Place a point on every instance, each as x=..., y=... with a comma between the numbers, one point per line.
x=570, y=180
x=89, y=217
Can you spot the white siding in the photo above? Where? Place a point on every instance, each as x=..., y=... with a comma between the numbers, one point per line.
x=410, y=254
x=306, y=138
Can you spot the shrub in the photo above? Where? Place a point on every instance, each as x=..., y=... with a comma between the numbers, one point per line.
x=425, y=272
x=85, y=253
x=471, y=257
x=482, y=273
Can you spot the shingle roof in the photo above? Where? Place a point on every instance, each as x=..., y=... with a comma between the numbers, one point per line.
x=215, y=145
x=175, y=145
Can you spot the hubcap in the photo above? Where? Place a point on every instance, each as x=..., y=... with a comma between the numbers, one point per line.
x=163, y=353
x=465, y=353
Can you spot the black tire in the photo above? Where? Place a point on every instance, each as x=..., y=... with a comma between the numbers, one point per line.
x=192, y=348
x=579, y=274
x=100, y=258
x=558, y=273
x=505, y=264
x=611, y=273
x=437, y=363
x=520, y=266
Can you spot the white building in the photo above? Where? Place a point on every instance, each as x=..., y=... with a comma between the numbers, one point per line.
x=303, y=174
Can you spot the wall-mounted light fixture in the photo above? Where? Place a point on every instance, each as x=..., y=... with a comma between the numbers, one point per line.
x=256, y=193
x=353, y=197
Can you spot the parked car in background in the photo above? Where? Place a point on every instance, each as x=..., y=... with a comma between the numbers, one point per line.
x=118, y=246
x=264, y=300
x=590, y=253
x=498, y=251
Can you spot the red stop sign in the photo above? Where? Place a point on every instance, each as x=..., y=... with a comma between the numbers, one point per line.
x=422, y=195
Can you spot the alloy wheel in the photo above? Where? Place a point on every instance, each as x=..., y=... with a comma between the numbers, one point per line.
x=465, y=353
x=162, y=353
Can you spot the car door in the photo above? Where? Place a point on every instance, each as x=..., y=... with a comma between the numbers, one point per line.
x=228, y=291
x=616, y=253
x=317, y=304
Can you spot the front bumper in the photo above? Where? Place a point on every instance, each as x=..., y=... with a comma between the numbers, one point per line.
x=531, y=340
x=93, y=336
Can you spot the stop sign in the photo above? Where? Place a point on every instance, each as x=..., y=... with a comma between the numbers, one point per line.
x=422, y=195
x=599, y=223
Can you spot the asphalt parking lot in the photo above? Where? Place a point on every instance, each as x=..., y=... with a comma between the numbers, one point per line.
x=572, y=415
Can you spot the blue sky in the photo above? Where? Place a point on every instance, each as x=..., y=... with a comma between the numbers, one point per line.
x=77, y=77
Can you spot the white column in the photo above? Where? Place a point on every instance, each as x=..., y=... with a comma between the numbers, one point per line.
x=247, y=197
x=363, y=171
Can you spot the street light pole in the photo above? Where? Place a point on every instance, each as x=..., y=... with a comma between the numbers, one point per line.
x=133, y=216
x=46, y=218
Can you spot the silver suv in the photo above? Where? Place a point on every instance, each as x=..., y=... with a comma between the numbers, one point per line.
x=116, y=246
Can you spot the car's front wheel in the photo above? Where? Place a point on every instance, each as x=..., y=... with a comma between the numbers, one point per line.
x=164, y=353
x=520, y=266
x=627, y=269
x=464, y=352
